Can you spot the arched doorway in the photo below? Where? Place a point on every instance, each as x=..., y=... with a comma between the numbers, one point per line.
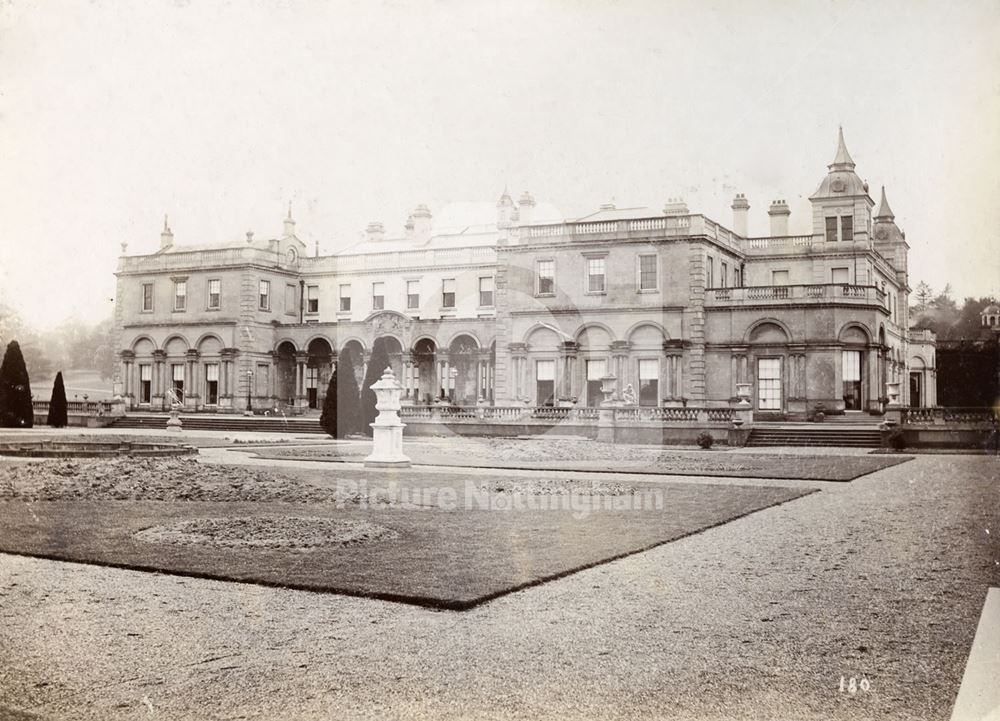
x=318, y=370
x=424, y=360
x=285, y=374
x=463, y=358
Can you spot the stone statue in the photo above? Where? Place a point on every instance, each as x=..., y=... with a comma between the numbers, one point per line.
x=628, y=395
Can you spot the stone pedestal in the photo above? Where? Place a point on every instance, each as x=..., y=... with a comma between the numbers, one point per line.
x=387, y=430
x=174, y=422
x=606, y=416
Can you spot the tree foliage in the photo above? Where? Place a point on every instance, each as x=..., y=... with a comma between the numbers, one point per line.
x=57, y=404
x=328, y=418
x=15, y=390
x=376, y=367
x=949, y=321
x=348, y=399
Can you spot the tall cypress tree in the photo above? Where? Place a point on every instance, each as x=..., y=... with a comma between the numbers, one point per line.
x=15, y=390
x=348, y=401
x=328, y=419
x=57, y=405
x=376, y=367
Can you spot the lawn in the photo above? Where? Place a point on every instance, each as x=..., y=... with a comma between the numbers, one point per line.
x=459, y=541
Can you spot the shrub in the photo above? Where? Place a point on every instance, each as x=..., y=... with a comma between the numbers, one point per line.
x=15, y=390
x=328, y=418
x=897, y=439
x=705, y=439
x=376, y=367
x=348, y=400
x=57, y=404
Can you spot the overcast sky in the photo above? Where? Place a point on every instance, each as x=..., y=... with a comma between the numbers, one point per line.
x=220, y=113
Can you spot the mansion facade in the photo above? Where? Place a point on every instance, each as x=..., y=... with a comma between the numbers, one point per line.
x=526, y=311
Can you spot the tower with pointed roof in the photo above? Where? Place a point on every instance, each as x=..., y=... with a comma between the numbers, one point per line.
x=842, y=208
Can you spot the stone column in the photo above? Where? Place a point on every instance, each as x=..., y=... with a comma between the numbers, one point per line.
x=301, y=358
x=192, y=387
x=158, y=384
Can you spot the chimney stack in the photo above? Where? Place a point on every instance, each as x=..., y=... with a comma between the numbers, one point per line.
x=741, y=212
x=167, y=236
x=779, y=213
x=526, y=208
x=675, y=206
x=375, y=231
x=421, y=224
x=408, y=228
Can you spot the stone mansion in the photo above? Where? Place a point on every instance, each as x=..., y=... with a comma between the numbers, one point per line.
x=525, y=311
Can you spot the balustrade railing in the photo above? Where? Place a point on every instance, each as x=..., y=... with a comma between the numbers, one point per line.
x=810, y=292
x=942, y=416
x=585, y=414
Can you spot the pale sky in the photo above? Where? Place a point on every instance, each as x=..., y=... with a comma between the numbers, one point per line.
x=220, y=113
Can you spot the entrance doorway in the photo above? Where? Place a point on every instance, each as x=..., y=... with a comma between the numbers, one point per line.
x=852, y=380
x=312, y=383
x=915, y=388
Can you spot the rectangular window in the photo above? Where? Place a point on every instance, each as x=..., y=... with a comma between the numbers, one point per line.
x=448, y=293
x=180, y=294
x=545, y=271
x=595, y=275
x=545, y=382
x=486, y=292
x=649, y=382
x=378, y=296
x=145, y=383
x=147, y=297
x=412, y=294
x=214, y=294
x=647, y=273
x=779, y=277
x=290, y=299
x=596, y=369
x=851, y=361
x=263, y=381
x=839, y=275
x=312, y=299
x=710, y=272
x=211, y=384
x=177, y=374
x=831, y=229
x=847, y=227
x=769, y=384
x=345, y=298
x=724, y=276
x=264, y=295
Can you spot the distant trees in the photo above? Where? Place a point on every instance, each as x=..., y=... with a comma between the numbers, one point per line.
x=15, y=390
x=57, y=404
x=940, y=313
x=328, y=418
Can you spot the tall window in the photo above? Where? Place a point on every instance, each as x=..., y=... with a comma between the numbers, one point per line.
x=831, y=229
x=145, y=383
x=596, y=369
x=264, y=295
x=851, y=371
x=779, y=277
x=412, y=294
x=647, y=272
x=724, y=275
x=214, y=294
x=710, y=272
x=839, y=276
x=545, y=271
x=448, y=293
x=312, y=300
x=290, y=299
x=345, y=298
x=649, y=382
x=595, y=275
x=847, y=227
x=378, y=296
x=177, y=374
x=769, y=384
x=211, y=384
x=147, y=297
x=180, y=294
x=486, y=292
x=545, y=382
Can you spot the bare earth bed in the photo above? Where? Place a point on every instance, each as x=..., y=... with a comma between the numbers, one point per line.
x=584, y=455
x=447, y=542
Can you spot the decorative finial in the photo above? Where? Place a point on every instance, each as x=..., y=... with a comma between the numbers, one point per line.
x=249, y=236
x=124, y=248
x=166, y=226
x=289, y=210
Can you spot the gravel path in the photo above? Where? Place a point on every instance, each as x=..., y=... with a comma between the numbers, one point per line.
x=883, y=578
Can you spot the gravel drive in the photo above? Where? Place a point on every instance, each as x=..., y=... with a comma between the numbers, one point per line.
x=882, y=578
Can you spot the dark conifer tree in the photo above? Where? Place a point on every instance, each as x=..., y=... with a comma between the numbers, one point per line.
x=328, y=419
x=348, y=401
x=376, y=367
x=57, y=405
x=15, y=390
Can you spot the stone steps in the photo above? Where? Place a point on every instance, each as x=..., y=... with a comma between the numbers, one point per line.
x=812, y=435
x=256, y=424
